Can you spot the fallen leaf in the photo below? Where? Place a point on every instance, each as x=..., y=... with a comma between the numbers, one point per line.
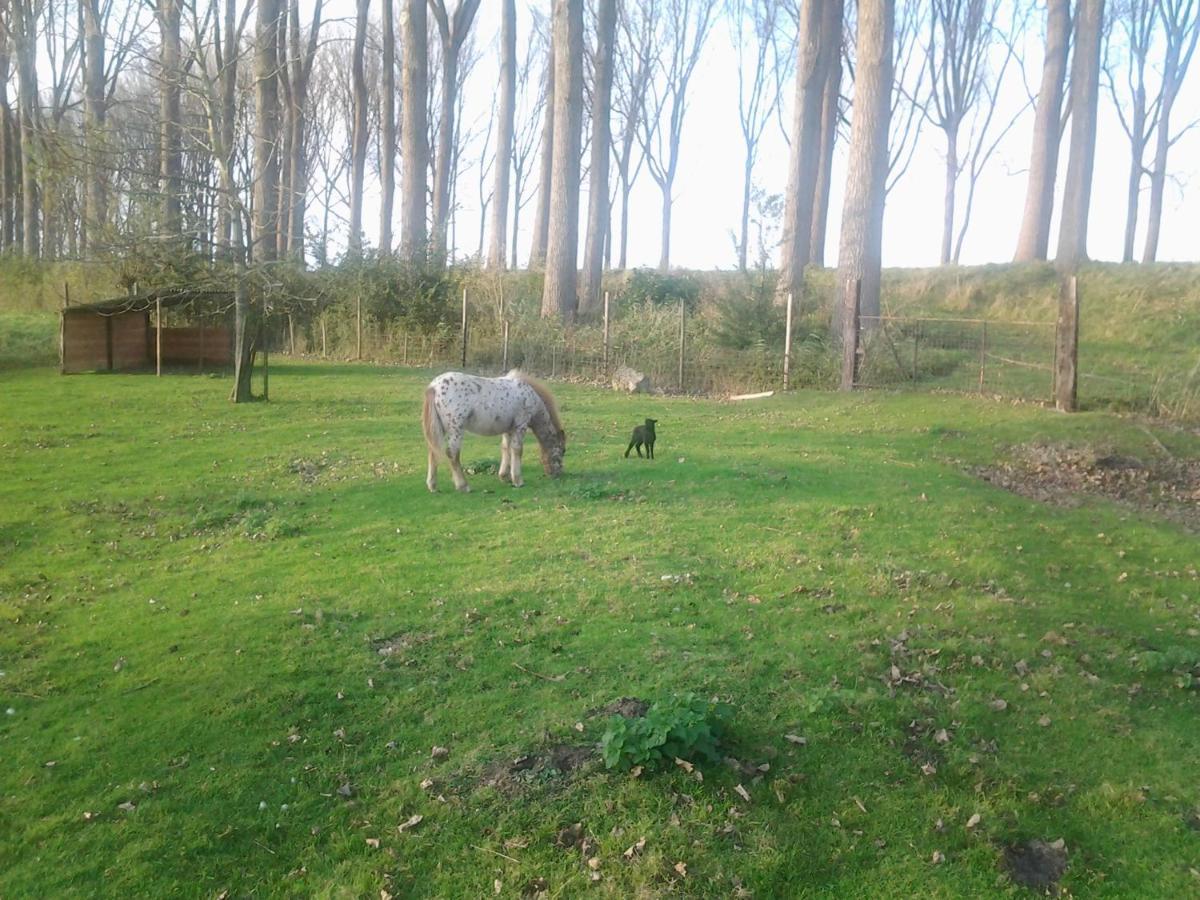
x=594, y=863
x=938, y=857
x=635, y=848
x=999, y=705
x=346, y=790
x=127, y=806
x=373, y=843
x=684, y=764
x=635, y=771
x=426, y=783
x=412, y=822
x=942, y=736
x=974, y=820
x=742, y=792
x=497, y=886
x=439, y=753
x=681, y=868
x=579, y=727
x=1044, y=721
x=928, y=769
x=796, y=739
x=88, y=816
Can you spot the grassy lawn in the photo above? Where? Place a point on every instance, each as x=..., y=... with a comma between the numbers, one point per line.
x=193, y=599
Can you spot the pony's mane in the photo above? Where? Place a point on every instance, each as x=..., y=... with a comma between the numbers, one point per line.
x=541, y=391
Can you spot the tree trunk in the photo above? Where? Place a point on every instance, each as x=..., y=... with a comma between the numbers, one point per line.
x=387, y=152
x=443, y=161
x=562, y=238
x=597, y=221
x=747, y=188
x=7, y=182
x=95, y=213
x=170, y=118
x=1033, y=242
x=948, y=196
x=860, y=246
x=812, y=65
x=1137, y=149
x=504, y=134
x=664, y=259
x=358, y=139
x=27, y=92
x=541, y=215
x=414, y=130
x=1085, y=90
x=287, y=115
x=266, y=134
x=831, y=24
x=228, y=87
x=301, y=72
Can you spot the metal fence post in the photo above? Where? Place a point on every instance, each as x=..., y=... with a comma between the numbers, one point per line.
x=158, y=336
x=358, y=324
x=850, y=332
x=983, y=342
x=606, y=344
x=787, y=345
x=682, y=341
x=504, y=357
x=916, y=345
x=464, y=329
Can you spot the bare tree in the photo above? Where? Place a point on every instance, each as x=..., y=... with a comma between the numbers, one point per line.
x=387, y=150
x=415, y=130
x=541, y=215
x=302, y=60
x=9, y=151
x=632, y=73
x=753, y=26
x=816, y=50
x=358, y=139
x=832, y=23
x=1128, y=39
x=498, y=246
x=531, y=92
x=962, y=35
x=1181, y=29
x=910, y=94
x=453, y=28
x=24, y=37
x=562, y=234
x=860, y=248
x=171, y=152
x=685, y=25
x=1084, y=100
x=1034, y=239
x=95, y=108
x=598, y=209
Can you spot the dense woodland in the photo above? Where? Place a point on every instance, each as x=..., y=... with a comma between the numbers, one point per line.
x=194, y=138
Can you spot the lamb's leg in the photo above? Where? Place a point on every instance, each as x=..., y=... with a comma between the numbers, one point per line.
x=627, y=449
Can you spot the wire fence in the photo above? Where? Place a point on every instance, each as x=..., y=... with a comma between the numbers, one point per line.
x=1012, y=359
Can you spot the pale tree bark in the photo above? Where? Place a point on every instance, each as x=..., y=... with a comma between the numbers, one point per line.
x=814, y=56
x=1085, y=90
x=1033, y=242
x=910, y=91
x=686, y=26
x=598, y=211
x=452, y=29
x=414, y=130
x=860, y=246
x=287, y=113
x=95, y=215
x=831, y=24
x=301, y=73
x=541, y=213
x=562, y=234
x=1181, y=29
x=358, y=137
x=24, y=41
x=170, y=117
x=8, y=187
x=504, y=137
x=532, y=92
x=387, y=150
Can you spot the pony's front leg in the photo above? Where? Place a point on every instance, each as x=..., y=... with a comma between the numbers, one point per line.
x=431, y=474
x=516, y=442
x=453, y=448
x=504, y=461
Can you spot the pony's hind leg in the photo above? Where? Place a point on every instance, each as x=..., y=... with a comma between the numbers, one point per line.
x=516, y=443
x=431, y=474
x=453, y=449
x=505, y=464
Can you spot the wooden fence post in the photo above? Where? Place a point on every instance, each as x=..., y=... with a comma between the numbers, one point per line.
x=504, y=359
x=916, y=345
x=787, y=345
x=682, y=342
x=983, y=343
x=404, y=350
x=158, y=336
x=464, y=329
x=358, y=321
x=324, y=346
x=606, y=334
x=1066, y=346
x=291, y=335
x=850, y=336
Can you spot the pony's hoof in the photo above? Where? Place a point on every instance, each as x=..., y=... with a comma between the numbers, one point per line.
x=518, y=484
x=464, y=489
x=432, y=486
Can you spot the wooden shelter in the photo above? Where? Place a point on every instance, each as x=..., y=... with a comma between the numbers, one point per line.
x=131, y=333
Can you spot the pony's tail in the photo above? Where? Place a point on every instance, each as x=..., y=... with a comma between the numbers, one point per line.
x=432, y=424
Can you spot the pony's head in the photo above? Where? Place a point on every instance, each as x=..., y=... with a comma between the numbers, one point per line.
x=553, y=450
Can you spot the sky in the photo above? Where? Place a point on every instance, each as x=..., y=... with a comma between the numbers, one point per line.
x=708, y=188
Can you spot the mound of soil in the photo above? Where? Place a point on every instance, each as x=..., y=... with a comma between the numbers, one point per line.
x=560, y=760
x=1063, y=475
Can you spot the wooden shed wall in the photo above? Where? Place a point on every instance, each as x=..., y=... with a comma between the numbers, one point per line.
x=213, y=345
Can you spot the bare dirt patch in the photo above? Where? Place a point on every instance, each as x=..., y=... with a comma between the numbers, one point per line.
x=397, y=644
x=1064, y=476
x=557, y=761
x=1036, y=864
x=629, y=707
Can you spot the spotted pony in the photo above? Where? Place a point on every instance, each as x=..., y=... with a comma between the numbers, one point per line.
x=456, y=403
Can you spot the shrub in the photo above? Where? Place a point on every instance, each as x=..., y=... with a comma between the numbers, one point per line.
x=687, y=727
x=659, y=289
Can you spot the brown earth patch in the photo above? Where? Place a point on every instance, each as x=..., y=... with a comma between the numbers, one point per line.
x=557, y=761
x=1051, y=473
x=1036, y=864
x=629, y=707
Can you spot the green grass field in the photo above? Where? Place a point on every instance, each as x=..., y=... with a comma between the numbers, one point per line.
x=193, y=597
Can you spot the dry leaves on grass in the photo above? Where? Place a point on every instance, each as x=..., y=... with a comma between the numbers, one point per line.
x=412, y=822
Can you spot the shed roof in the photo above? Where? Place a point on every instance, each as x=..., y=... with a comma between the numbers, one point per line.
x=147, y=300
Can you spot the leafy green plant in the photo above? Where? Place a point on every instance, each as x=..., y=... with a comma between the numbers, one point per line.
x=686, y=727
